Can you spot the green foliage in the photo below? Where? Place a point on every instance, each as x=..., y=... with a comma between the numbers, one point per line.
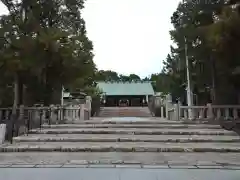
x=93, y=91
x=46, y=46
x=211, y=30
x=106, y=76
x=114, y=76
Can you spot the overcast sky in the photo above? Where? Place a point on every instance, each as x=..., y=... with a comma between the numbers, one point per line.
x=129, y=36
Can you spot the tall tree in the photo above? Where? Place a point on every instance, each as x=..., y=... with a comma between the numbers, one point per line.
x=46, y=41
x=134, y=77
x=224, y=37
x=106, y=76
x=190, y=22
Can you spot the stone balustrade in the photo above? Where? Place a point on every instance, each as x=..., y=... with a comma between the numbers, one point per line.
x=208, y=112
x=55, y=113
x=33, y=117
x=215, y=112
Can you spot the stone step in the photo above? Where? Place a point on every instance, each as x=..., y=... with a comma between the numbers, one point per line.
x=173, y=126
x=119, y=120
x=136, y=120
x=123, y=115
x=120, y=147
x=163, y=158
x=124, y=138
x=136, y=131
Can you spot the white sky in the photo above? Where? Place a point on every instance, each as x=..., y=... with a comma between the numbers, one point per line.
x=129, y=36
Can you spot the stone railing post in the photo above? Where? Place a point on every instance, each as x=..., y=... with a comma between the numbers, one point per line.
x=58, y=109
x=226, y=113
x=86, y=114
x=74, y=112
x=3, y=129
x=76, y=117
x=21, y=112
x=176, y=112
x=210, y=114
x=162, y=112
x=185, y=112
x=201, y=113
x=235, y=113
x=34, y=116
x=82, y=107
x=44, y=115
x=219, y=114
x=71, y=113
x=89, y=105
x=62, y=113
x=1, y=114
x=7, y=112
x=166, y=110
x=51, y=116
x=79, y=112
x=180, y=110
x=67, y=112
x=168, y=105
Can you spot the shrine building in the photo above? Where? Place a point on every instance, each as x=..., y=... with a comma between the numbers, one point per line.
x=134, y=93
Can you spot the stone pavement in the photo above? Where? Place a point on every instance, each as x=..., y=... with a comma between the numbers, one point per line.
x=116, y=174
x=83, y=158
x=142, y=141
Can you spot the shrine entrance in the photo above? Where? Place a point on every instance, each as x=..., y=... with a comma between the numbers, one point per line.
x=124, y=101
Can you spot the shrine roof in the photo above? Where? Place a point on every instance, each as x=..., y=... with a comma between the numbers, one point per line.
x=126, y=88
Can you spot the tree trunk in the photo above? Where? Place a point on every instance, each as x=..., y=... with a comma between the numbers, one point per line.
x=20, y=91
x=11, y=123
x=16, y=92
x=48, y=88
x=213, y=71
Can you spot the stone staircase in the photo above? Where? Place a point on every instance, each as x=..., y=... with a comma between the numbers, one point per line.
x=114, y=138
x=125, y=112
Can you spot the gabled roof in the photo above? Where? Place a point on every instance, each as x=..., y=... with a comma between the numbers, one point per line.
x=126, y=88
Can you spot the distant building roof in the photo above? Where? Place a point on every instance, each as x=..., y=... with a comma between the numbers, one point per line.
x=126, y=88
